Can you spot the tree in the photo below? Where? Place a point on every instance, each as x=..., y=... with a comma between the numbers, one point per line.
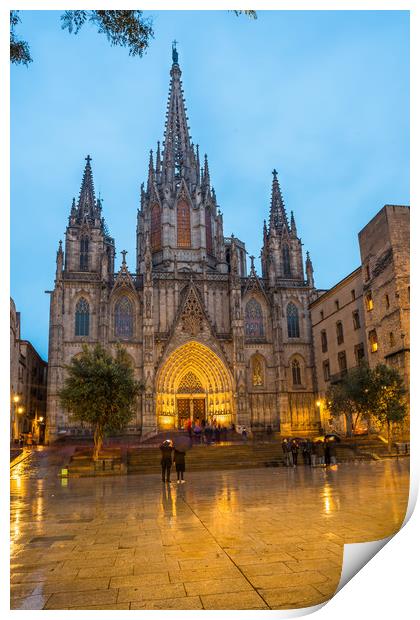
x=124, y=28
x=339, y=402
x=390, y=406
x=101, y=391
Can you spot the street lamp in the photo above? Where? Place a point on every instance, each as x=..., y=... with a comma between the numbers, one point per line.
x=14, y=430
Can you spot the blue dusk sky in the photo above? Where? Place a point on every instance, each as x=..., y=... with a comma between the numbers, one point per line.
x=322, y=96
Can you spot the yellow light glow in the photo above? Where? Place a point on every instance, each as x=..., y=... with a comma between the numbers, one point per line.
x=374, y=347
x=318, y=403
x=41, y=419
x=16, y=398
x=20, y=410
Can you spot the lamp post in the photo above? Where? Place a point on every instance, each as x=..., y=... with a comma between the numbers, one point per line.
x=13, y=425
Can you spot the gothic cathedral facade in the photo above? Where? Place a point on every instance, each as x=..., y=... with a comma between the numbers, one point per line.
x=207, y=338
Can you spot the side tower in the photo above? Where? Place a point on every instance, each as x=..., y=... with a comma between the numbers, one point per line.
x=290, y=294
x=84, y=272
x=178, y=208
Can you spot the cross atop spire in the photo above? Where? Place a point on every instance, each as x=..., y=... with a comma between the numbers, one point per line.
x=124, y=253
x=174, y=52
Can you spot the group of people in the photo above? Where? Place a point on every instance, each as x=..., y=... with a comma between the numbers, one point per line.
x=206, y=431
x=170, y=455
x=314, y=453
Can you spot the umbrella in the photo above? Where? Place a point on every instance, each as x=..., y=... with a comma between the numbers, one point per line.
x=182, y=443
x=328, y=437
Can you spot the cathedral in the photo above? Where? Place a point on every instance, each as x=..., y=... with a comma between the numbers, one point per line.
x=206, y=337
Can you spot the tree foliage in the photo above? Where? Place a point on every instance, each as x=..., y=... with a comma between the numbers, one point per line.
x=123, y=28
x=100, y=390
x=365, y=393
x=19, y=50
x=390, y=402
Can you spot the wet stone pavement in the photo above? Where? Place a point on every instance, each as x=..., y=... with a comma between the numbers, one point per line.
x=254, y=539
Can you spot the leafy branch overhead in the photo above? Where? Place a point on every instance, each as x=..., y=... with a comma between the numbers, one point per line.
x=124, y=28
x=128, y=29
x=19, y=50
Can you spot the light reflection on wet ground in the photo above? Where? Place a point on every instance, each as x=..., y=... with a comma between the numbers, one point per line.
x=265, y=538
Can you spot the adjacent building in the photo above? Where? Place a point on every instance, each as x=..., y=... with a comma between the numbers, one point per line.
x=366, y=316
x=28, y=385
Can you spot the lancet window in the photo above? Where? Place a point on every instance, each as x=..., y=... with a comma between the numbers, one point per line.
x=156, y=228
x=293, y=330
x=123, y=318
x=209, y=237
x=183, y=224
x=84, y=253
x=254, y=320
x=286, y=261
x=296, y=373
x=82, y=318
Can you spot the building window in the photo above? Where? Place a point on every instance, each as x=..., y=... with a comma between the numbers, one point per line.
x=340, y=333
x=367, y=273
x=254, y=322
x=286, y=261
x=257, y=371
x=386, y=300
x=391, y=339
x=326, y=370
x=82, y=318
x=369, y=301
x=292, y=321
x=296, y=375
x=84, y=254
x=324, y=341
x=337, y=305
x=321, y=314
x=156, y=228
x=209, y=236
x=124, y=318
x=342, y=361
x=356, y=319
x=353, y=294
x=183, y=224
x=359, y=353
x=373, y=341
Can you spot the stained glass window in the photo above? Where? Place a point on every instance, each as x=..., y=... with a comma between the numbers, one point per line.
x=209, y=238
x=254, y=323
x=84, y=254
x=292, y=321
x=124, y=318
x=297, y=379
x=183, y=224
x=82, y=318
x=286, y=261
x=156, y=228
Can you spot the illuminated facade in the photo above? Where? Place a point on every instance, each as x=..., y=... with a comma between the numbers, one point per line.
x=207, y=338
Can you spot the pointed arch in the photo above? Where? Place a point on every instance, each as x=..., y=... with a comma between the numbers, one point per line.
x=286, y=262
x=293, y=329
x=84, y=253
x=296, y=372
x=183, y=220
x=82, y=317
x=254, y=320
x=156, y=227
x=209, y=236
x=123, y=318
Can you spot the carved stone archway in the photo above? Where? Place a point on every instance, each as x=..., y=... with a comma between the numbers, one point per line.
x=193, y=373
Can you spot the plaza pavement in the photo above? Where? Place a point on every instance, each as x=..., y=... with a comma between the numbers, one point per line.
x=251, y=539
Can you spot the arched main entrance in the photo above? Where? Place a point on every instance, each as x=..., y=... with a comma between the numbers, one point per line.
x=193, y=383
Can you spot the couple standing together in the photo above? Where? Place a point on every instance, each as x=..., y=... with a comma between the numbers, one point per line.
x=172, y=455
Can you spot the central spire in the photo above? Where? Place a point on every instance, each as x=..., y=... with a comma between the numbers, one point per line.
x=178, y=152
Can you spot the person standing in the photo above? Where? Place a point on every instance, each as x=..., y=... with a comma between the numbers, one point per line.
x=295, y=452
x=327, y=452
x=319, y=452
x=166, y=449
x=179, y=460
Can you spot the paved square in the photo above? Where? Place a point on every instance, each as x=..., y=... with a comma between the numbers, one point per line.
x=254, y=539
